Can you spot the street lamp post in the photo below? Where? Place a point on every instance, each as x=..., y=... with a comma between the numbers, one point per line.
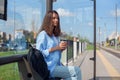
x=105, y=34
x=14, y=22
x=99, y=37
x=116, y=27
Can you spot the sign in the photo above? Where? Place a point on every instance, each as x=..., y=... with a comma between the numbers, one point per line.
x=3, y=9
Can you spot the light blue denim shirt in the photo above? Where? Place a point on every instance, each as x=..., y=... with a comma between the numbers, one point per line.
x=44, y=43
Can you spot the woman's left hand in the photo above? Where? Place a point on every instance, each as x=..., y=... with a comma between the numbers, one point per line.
x=63, y=45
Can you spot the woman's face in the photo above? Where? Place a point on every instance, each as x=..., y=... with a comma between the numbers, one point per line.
x=55, y=19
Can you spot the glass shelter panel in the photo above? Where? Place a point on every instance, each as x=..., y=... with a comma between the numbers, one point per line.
x=24, y=19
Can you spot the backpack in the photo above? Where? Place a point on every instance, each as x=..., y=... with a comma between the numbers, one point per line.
x=37, y=62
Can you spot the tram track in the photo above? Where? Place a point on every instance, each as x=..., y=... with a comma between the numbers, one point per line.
x=112, y=51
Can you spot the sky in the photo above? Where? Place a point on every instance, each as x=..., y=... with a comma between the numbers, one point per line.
x=76, y=16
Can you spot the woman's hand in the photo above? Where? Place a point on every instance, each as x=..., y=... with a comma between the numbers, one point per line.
x=63, y=45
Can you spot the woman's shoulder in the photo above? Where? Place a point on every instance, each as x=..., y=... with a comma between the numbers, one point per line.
x=42, y=33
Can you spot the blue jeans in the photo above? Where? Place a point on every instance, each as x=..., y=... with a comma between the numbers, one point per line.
x=67, y=72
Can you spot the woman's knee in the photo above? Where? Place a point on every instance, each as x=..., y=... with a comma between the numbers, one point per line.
x=77, y=70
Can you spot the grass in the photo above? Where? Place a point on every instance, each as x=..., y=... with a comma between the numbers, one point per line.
x=10, y=71
x=91, y=47
x=9, y=53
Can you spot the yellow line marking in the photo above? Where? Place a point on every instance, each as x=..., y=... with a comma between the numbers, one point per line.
x=111, y=70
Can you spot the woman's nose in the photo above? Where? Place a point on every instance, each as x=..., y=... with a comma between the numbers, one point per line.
x=56, y=19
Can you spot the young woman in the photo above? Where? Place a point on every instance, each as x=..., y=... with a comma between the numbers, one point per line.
x=49, y=44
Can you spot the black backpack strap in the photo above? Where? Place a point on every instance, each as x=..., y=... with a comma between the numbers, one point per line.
x=29, y=44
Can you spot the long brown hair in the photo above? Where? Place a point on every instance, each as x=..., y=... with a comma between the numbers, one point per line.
x=48, y=26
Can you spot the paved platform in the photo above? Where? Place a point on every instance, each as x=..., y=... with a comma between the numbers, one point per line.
x=87, y=68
